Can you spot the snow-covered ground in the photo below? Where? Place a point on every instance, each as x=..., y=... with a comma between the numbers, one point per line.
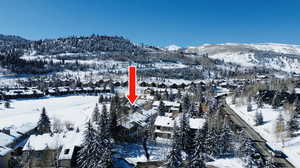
x=291, y=146
x=76, y=109
x=227, y=163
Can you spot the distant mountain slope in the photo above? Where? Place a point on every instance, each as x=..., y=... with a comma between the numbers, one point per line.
x=270, y=55
x=173, y=48
x=8, y=42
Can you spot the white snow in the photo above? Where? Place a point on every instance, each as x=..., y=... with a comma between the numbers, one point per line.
x=195, y=123
x=53, y=142
x=76, y=109
x=227, y=163
x=291, y=146
x=173, y=47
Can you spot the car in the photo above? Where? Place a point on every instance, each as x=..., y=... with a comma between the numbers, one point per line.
x=279, y=154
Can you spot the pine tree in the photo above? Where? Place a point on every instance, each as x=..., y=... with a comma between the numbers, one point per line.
x=225, y=141
x=249, y=107
x=280, y=127
x=101, y=99
x=185, y=134
x=247, y=151
x=275, y=101
x=174, y=159
x=7, y=104
x=211, y=142
x=44, y=124
x=292, y=125
x=115, y=107
x=104, y=124
x=233, y=101
x=198, y=162
x=259, y=120
x=103, y=138
x=90, y=154
x=186, y=103
x=106, y=161
x=96, y=114
x=197, y=159
x=162, y=109
x=193, y=111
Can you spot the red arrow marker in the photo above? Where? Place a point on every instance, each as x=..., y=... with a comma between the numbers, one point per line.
x=132, y=84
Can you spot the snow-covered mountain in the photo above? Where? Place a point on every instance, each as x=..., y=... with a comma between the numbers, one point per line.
x=173, y=48
x=270, y=55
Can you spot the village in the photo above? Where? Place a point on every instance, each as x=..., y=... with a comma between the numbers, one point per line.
x=148, y=125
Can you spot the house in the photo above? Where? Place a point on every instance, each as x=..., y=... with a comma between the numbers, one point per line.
x=164, y=126
x=44, y=150
x=173, y=107
x=5, y=152
x=134, y=124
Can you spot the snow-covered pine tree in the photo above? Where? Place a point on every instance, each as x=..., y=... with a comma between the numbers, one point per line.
x=197, y=158
x=101, y=99
x=96, y=114
x=292, y=125
x=186, y=103
x=233, y=101
x=193, y=111
x=7, y=104
x=174, y=159
x=197, y=162
x=44, y=124
x=162, y=109
x=104, y=124
x=90, y=154
x=115, y=107
x=112, y=87
x=247, y=151
x=103, y=138
x=259, y=120
x=225, y=141
x=210, y=142
x=185, y=133
x=280, y=127
x=249, y=107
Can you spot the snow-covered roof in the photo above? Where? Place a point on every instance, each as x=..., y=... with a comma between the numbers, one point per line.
x=53, y=142
x=195, y=123
x=4, y=150
x=164, y=121
x=167, y=103
x=6, y=139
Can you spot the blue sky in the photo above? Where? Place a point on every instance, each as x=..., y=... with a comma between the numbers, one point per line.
x=156, y=22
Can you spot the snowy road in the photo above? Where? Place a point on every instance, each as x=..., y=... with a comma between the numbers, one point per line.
x=259, y=141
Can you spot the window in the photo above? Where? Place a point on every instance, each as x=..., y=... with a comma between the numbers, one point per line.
x=66, y=151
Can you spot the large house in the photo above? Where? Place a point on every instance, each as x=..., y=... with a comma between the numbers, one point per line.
x=173, y=107
x=52, y=150
x=164, y=126
x=11, y=140
x=5, y=152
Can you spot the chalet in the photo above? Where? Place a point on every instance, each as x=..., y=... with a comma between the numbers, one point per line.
x=164, y=126
x=44, y=149
x=5, y=152
x=22, y=93
x=173, y=107
x=133, y=125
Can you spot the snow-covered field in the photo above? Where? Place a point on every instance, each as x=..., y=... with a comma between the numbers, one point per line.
x=76, y=109
x=291, y=146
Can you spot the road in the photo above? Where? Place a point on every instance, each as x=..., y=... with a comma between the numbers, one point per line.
x=256, y=138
